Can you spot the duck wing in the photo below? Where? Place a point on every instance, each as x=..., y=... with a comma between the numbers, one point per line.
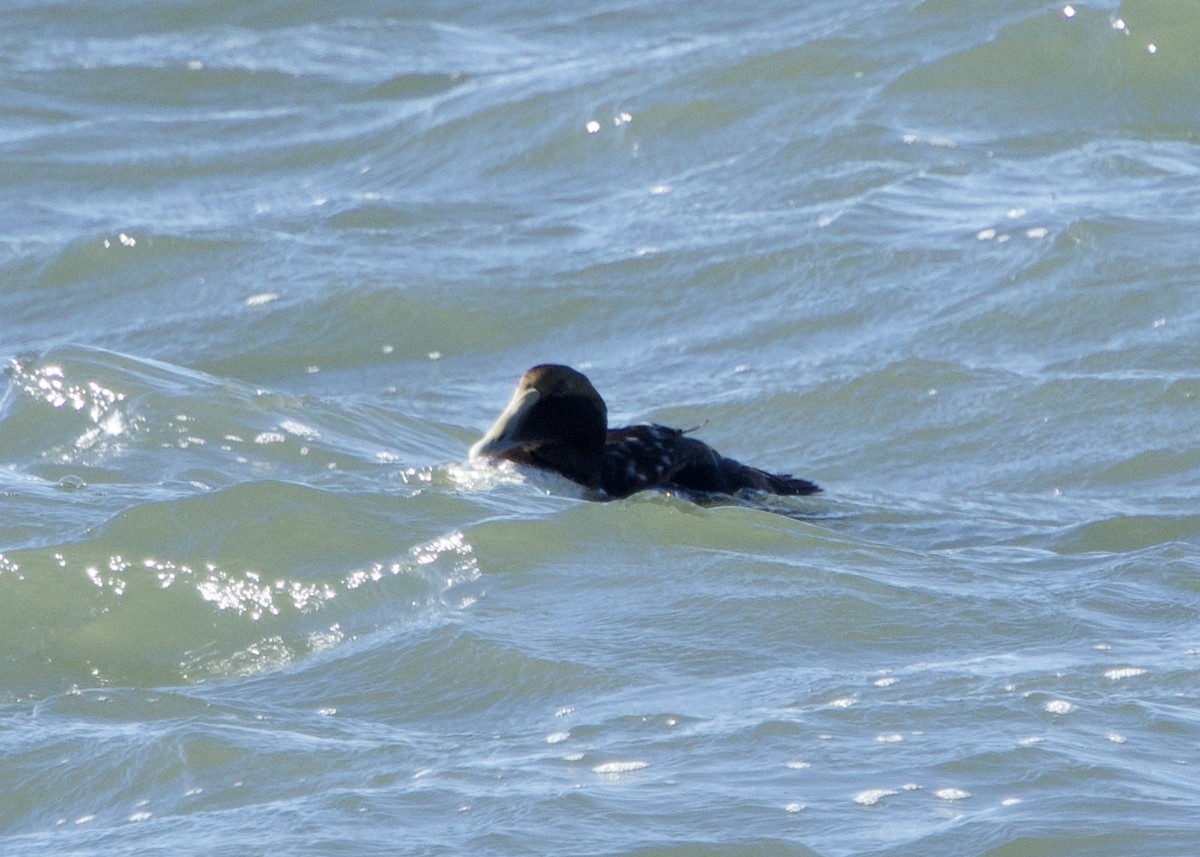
x=654, y=456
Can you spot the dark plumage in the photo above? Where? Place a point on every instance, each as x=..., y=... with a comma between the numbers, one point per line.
x=557, y=421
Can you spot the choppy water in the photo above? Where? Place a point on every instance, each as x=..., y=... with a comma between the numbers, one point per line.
x=267, y=269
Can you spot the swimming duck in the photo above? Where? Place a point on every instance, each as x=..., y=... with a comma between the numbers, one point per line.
x=557, y=421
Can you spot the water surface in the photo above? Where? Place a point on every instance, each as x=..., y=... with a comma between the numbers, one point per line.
x=268, y=270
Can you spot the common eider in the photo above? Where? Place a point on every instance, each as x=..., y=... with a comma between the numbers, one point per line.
x=557, y=421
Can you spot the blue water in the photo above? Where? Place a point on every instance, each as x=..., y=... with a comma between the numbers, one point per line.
x=268, y=269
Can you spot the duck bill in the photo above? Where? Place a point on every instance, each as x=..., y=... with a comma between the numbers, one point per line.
x=500, y=438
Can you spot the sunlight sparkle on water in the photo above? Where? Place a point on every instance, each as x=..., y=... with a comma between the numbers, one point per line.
x=299, y=429
x=952, y=794
x=870, y=797
x=1123, y=672
x=620, y=767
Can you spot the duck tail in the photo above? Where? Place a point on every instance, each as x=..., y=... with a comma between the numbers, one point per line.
x=788, y=485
